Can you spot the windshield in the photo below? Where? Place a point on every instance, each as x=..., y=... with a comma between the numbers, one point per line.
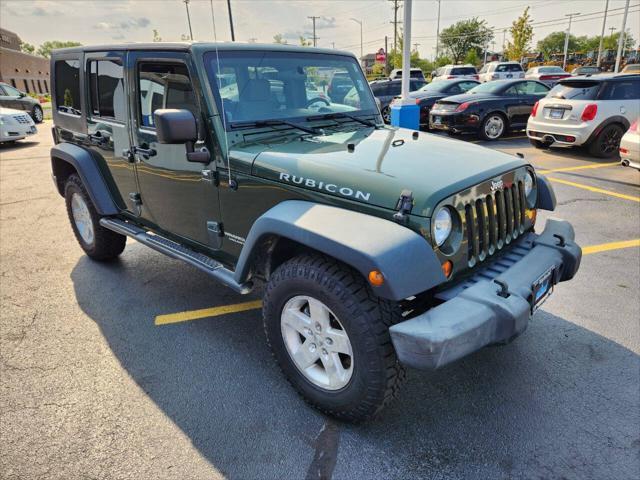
x=551, y=70
x=489, y=87
x=271, y=85
x=434, y=87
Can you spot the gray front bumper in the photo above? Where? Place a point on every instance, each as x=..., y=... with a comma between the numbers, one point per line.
x=477, y=312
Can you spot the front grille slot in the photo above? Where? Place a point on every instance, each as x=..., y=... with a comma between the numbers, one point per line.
x=493, y=221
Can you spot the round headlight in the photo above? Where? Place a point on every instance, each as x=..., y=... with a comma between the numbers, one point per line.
x=528, y=184
x=442, y=225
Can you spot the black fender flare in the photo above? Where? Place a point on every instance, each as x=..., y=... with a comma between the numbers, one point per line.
x=364, y=242
x=86, y=166
x=615, y=119
x=546, y=199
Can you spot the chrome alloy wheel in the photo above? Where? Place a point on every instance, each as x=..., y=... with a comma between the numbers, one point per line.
x=494, y=127
x=82, y=218
x=317, y=342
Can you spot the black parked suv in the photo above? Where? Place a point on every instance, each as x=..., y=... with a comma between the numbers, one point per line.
x=385, y=90
x=11, y=97
x=378, y=247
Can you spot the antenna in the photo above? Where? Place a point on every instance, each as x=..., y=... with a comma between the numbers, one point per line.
x=232, y=183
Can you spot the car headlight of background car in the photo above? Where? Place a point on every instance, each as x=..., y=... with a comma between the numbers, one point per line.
x=442, y=225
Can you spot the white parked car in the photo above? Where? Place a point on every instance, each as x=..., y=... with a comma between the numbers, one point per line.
x=547, y=74
x=449, y=72
x=500, y=71
x=630, y=146
x=590, y=111
x=15, y=125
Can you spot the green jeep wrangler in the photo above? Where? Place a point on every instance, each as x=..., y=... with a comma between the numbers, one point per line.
x=379, y=247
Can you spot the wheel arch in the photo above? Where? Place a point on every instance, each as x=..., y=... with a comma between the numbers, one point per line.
x=361, y=241
x=67, y=159
x=619, y=120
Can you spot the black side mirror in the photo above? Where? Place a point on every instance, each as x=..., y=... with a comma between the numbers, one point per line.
x=22, y=95
x=174, y=126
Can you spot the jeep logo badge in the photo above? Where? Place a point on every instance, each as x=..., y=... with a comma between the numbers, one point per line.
x=497, y=185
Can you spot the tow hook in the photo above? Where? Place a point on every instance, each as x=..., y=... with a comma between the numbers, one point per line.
x=561, y=242
x=504, y=288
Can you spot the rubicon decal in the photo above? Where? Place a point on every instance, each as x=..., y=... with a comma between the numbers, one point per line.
x=327, y=187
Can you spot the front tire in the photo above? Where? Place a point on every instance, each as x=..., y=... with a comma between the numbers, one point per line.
x=607, y=143
x=97, y=242
x=386, y=115
x=36, y=114
x=330, y=335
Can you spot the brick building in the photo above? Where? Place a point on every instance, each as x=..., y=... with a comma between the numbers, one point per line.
x=25, y=72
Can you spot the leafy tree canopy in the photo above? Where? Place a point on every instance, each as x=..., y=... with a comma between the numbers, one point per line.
x=465, y=35
x=521, y=34
x=45, y=49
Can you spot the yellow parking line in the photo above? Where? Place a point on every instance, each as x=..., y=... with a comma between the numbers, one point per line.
x=255, y=304
x=582, y=167
x=207, y=312
x=604, y=247
x=595, y=189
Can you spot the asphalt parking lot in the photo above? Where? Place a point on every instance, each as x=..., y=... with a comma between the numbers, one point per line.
x=100, y=379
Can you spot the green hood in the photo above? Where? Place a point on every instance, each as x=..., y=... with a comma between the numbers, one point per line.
x=382, y=164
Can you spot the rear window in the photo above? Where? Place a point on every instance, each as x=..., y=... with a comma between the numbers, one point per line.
x=551, y=70
x=576, y=90
x=67, y=74
x=509, y=67
x=463, y=71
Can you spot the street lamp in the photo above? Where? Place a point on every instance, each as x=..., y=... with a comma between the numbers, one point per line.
x=360, y=23
x=566, y=39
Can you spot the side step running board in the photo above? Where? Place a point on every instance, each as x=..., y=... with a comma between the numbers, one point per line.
x=179, y=252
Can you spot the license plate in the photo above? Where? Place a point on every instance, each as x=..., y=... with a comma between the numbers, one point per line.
x=437, y=120
x=542, y=288
x=556, y=113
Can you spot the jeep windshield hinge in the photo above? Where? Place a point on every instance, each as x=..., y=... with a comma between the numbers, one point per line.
x=403, y=206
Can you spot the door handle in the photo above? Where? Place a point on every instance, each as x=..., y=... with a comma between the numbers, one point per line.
x=144, y=152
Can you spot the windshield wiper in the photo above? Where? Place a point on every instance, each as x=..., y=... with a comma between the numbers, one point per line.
x=272, y=123
x=333, y=116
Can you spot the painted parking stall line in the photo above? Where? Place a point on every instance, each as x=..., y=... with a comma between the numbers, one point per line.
x=633, y=198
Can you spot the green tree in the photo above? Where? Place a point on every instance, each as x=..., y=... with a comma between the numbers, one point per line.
x=554, y=43
x=443, y=60
x=278, y=38
x=45, y=49
x=156, y=36
x=27, y=48
x=304, y=42
x=472, y=57
x=522, y=34
x=464, y=35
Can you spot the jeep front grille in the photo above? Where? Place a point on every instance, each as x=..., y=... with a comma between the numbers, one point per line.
x=493, y=221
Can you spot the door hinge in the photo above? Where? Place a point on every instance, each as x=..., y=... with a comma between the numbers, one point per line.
x=211, y=176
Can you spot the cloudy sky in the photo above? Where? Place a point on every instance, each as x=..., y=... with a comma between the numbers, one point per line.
x=108, y=21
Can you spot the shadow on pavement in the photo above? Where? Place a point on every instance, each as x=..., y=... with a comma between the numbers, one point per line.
x=17, y=145
x=559, y=402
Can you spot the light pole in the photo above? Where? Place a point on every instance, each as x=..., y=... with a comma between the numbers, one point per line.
x=566, y=39
x=621, y=37
x=604, y=22
x=360, y=23
x=438, y=31
x=186, y=4
x=233, y=35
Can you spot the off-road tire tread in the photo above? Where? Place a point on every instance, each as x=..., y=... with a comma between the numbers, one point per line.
x=348, y=284
x=107, y=244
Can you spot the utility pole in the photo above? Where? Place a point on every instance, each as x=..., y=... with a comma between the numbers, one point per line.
x=406, y=51
x=360, y=23
x=396, y=6
x=186, y=4
x=604, y=22
x=504, y=40
x=438, y=32
x=233, y=35
x=333, y=44
x=566, y=39
x=415, y=47
x=315, y=39
x=621, y=37
x=386, y=55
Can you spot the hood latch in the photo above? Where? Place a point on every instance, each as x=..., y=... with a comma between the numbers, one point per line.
x=403, y=206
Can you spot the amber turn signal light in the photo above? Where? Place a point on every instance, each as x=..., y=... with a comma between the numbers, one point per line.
x=376, y=278
x=447, y=268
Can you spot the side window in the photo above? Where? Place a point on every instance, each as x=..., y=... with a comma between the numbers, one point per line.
x=464, y=86
x=12, y=92
x=2, y=92
x=395, y=88
x=106, y=89
x=67, y=92
x=535, y=88
x=454, y=89
x=164, y=85
x=514, y=90
x=622, y=90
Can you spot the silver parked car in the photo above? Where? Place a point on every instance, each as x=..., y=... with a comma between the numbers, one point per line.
x=547, y=74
